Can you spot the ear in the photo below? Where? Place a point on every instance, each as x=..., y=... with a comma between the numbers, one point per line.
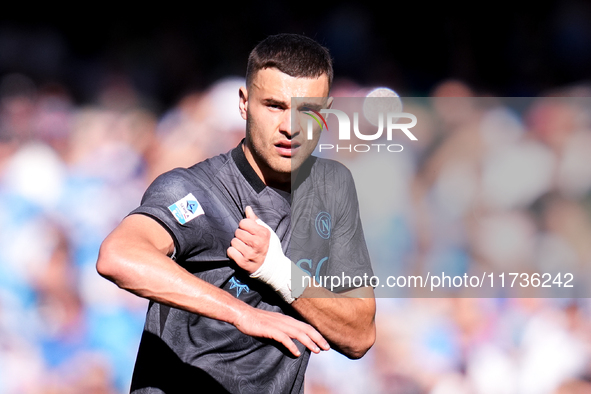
x=243, y=105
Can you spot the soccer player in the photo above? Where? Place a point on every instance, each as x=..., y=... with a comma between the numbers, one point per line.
x=207, y=246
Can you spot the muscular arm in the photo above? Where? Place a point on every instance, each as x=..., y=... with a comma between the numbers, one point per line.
x=346, y=320
x=135, y=257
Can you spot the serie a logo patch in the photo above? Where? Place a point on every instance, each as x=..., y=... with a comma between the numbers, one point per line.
x=186, y=209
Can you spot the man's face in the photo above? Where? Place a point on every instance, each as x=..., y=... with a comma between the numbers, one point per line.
x=272, y=147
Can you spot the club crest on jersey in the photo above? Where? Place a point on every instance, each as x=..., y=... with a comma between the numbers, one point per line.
x=323, y=225
x=186, y=209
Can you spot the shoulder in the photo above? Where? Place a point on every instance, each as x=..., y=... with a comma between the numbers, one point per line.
x=211, y=167
x=179, y=181
x=330, y=171
x=328, y=164
x=335, y=185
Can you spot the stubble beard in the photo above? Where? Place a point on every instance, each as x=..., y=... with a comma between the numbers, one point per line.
x=274, y=169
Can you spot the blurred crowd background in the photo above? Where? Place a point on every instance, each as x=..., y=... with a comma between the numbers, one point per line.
x=491, y=185
x=93, y=109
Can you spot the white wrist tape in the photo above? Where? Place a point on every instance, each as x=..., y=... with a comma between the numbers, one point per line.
x=276, y=269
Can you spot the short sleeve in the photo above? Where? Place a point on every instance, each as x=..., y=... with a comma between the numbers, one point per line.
x=327, y=236
x=175, y=200
x=348, y=250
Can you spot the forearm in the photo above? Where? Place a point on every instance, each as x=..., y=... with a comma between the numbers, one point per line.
x=135, y=257
x=142, y=269
x=346, y=321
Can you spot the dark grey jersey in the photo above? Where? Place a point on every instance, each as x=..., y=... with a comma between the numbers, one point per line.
x=326, y=239
x=181, y=352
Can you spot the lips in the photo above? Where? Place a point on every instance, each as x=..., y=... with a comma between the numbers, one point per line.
x=287, y=148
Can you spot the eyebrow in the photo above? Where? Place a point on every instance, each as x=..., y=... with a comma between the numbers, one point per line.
x=310, y=107
x=278, y=103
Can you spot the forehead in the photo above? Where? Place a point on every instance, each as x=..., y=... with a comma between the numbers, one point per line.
x=270, y=82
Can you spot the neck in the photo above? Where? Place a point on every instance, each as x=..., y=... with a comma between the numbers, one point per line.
x=281, y=181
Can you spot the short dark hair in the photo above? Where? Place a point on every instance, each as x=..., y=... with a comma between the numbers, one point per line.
x=292, y=54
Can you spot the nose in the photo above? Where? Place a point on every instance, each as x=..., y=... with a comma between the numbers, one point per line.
x=285, y=125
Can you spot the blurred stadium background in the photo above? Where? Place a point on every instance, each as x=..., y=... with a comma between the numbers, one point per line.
x=93, y=107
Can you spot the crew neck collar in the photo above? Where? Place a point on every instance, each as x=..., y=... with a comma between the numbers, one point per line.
x=250, y=175
x=246, y=169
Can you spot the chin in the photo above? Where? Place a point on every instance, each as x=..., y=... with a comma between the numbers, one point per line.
x=286, y=165
x=284, y=170
x=295, y=163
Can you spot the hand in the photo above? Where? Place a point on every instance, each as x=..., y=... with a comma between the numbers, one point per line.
x=251, y=243
x=259, y=323
x=257, y=250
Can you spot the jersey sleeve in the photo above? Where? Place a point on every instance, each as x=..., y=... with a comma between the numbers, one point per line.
x=171, y=200
x=348, y=250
